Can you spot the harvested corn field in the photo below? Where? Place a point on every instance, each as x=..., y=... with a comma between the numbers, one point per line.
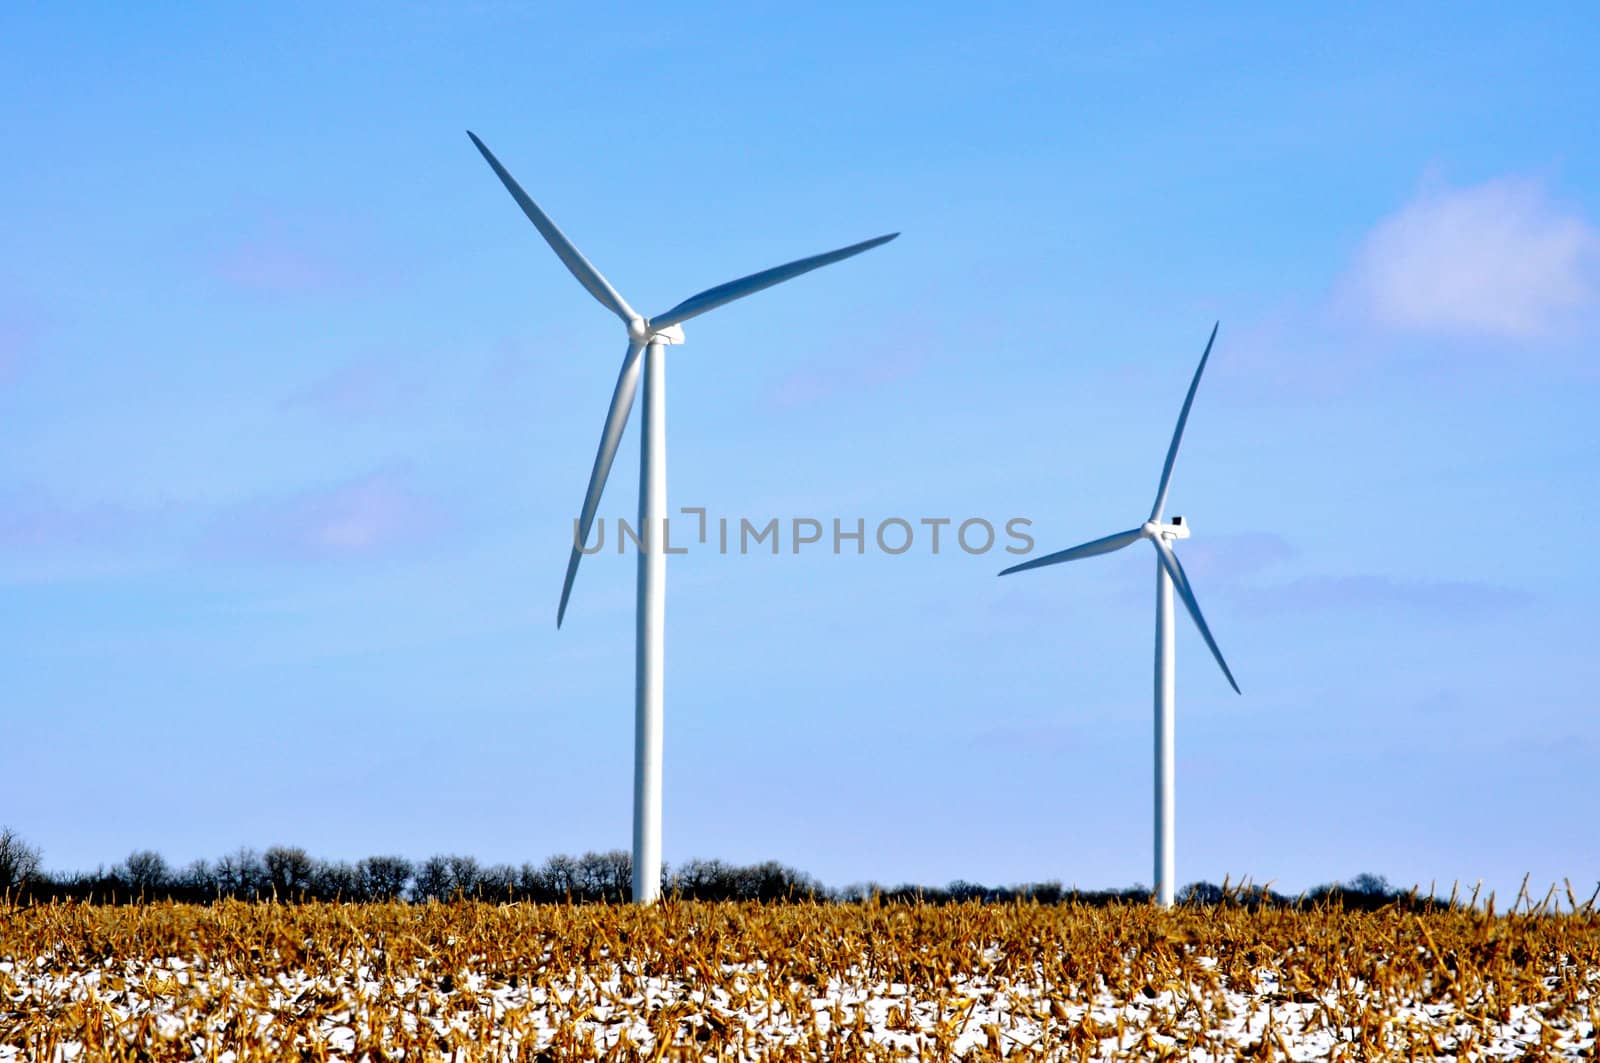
x=476, y=981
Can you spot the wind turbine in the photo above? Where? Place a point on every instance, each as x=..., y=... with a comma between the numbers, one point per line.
x=1169, y=574
x=647, y=340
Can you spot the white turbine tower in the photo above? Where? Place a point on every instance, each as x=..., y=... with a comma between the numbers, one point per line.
x=647, y=337
x=1169, y=573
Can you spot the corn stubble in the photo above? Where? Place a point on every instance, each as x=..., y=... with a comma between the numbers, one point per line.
x=476, y=981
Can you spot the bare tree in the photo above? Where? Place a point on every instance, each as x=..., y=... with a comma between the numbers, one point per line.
x=289, y=870
x=241, y=874
x=1370, y=884
x=337, y=881
x=433, y=879
x=497, y=882
x=606, y=876
x=145, y=872
x=557, y=879
x=463, y=875
x=198, y=878
x=703, y=880
x=443, y=877
x=19, y=861
x=383, y=878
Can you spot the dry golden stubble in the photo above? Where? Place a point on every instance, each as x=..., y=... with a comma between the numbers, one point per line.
x=484, y=981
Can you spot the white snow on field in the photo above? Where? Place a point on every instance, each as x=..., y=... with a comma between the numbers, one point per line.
x=188, y=1005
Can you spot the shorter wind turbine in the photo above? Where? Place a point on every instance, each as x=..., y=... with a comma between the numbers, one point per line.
x=1169, y=574
x=648, y=339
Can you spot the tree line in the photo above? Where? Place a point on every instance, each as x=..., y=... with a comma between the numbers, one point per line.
x=289, y=874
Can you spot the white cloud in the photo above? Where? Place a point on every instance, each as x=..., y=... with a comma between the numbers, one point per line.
x=1497, y=259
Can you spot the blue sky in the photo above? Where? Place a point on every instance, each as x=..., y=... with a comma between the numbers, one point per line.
x=298, y=409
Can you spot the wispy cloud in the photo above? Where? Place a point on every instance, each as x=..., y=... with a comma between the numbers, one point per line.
x=1037, y=736
x=1454, y=279
x=1234, y=558
x=1459, y=599
x=46, y=537
x=362, y=390
x=1495, y=260
x=1441, y=702
x=1264, y=573
x=820, y=382
x=36, y=520
x=287, y=254
x=1258, y=569
x=17, y=337
x=265, y=266
x=370, y=516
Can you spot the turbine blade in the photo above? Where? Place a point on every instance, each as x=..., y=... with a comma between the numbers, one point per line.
x=1090, y=549
x=712, y=298
x=1180, y=580
x=610, y=438
x=587, y=275
x=1177, y=433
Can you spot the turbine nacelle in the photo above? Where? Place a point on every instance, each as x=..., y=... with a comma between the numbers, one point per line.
x=670, y=334
x=1171, y=530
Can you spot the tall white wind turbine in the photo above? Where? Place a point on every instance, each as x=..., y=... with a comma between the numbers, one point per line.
x=647, y=340
x=1169, y=574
